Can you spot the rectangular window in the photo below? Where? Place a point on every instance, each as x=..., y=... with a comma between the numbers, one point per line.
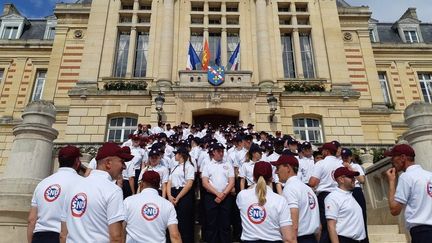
x=197, y=41
x=426, y=86
x=141, y=54
x=288, y=56
x=51, y=33
x=10, y=32
x=307, y=56
x=1, y=75
x=122, y=55
x=385, y=87
x=119, y=128
x=39, y=85
x=308, y=129
x=411, y=36
x=372, y=35
x=214, y=42
x=233, y=39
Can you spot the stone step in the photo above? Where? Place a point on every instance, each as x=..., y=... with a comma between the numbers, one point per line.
x=383, y=229
x=385, y=234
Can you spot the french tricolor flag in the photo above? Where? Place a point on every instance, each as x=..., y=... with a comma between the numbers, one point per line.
x=235, y=58
x=192, y=59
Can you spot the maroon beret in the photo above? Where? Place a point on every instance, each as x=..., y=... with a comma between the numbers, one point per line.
x=111, y=149
x=151, y=177
x=344, y=171
x=400, y=149
x=69, y=151
x=329, y=146
x=286, y=160
x=263, y=169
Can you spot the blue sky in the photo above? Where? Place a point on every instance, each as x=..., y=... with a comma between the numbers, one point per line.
x=383, y=10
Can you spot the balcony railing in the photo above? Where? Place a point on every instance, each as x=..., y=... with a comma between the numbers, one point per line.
x=199, y=78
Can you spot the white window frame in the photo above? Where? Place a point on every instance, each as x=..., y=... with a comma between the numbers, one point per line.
x=123, y=128
x=50, y=28
x=2, y=72
x=39, y=82
x=12, y=21
x=10, y=37
x=410, y=35
x=427, y=84
x=306, y=129
x=385, y=87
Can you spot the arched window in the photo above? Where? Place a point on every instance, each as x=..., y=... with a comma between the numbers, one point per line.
x=308, y=129
x=119, y=128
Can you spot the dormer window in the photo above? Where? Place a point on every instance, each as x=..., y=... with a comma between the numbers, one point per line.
x=411, y=36
x=50, y=28
x=10, y=32
x=372, y=35
x=373, y=30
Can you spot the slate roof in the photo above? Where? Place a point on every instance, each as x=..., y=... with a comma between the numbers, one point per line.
x=36, y=30
x=387, y=34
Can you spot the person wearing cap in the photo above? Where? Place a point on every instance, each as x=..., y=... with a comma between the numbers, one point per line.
x=48, y=199
x=148, y=215
x=413, y=191
x=218, y=180
x=338, y=146
x=265, y=215
x=159, y=128
x=347, y=161
x=322, y=180
x=301, y=200
x=306, y=162
x=153, y=164
x=94, y=206
x=246, y=170
x=134, y=166
x=180, y=193
x=344, y=215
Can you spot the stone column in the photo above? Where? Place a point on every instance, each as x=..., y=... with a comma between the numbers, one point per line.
x=30, y=161
x=264, y=61
x=131, y=53
x=418, y=117
x=167, y=44
x=297, y=53
x=224, y=47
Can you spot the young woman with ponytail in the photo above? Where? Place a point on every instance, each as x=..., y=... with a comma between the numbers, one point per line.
x=265, y=215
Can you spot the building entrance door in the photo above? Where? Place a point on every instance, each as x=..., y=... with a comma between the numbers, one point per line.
x=215, y=116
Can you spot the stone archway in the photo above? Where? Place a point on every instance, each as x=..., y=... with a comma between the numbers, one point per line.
x=216, y=116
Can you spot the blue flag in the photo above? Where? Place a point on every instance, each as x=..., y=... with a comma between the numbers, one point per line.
x=218, y=55
x=192, y=59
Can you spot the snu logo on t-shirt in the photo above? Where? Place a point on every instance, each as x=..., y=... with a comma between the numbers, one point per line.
x=79, y=205
x=52, y=193
x=256, y=213
x=150, y=211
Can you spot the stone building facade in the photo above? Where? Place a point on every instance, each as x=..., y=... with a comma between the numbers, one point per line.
x=336, y=72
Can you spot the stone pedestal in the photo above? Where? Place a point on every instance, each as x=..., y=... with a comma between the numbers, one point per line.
x=418, y=117
x=29, y=162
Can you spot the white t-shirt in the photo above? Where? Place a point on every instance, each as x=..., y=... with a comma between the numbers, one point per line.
x=359, y=169
x=246, y=172
x=272, y=157
x=262, y=222
x=180, y=174
x=91, y=206
x=162, y=170
x=414, y=189
x=129, y=171
x=300, y=196
x=92, y=164
x=324, y=171
x=305, y=168
x=49, y=197
x=147, y=217
x=341, y=206
x=218, y=174
x=240, y=157
x=140, y=155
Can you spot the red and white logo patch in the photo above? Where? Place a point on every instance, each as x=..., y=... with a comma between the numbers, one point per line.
x=312, y=202
x=429, y=188
x=52, y=193
x=150, y=211
x=256, y=213
x=79, y=205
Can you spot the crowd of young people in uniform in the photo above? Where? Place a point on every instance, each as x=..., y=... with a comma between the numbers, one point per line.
x=238, y=184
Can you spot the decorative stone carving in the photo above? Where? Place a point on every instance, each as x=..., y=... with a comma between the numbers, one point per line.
x=347, y=36
x=78, y=34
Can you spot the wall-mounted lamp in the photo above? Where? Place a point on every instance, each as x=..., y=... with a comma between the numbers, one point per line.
x=272, y=102
x=159, y=100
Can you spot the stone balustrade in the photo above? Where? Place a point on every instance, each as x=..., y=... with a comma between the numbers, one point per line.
x=198, y=78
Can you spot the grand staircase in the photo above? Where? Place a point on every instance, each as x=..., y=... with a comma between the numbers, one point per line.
x=385, y=234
